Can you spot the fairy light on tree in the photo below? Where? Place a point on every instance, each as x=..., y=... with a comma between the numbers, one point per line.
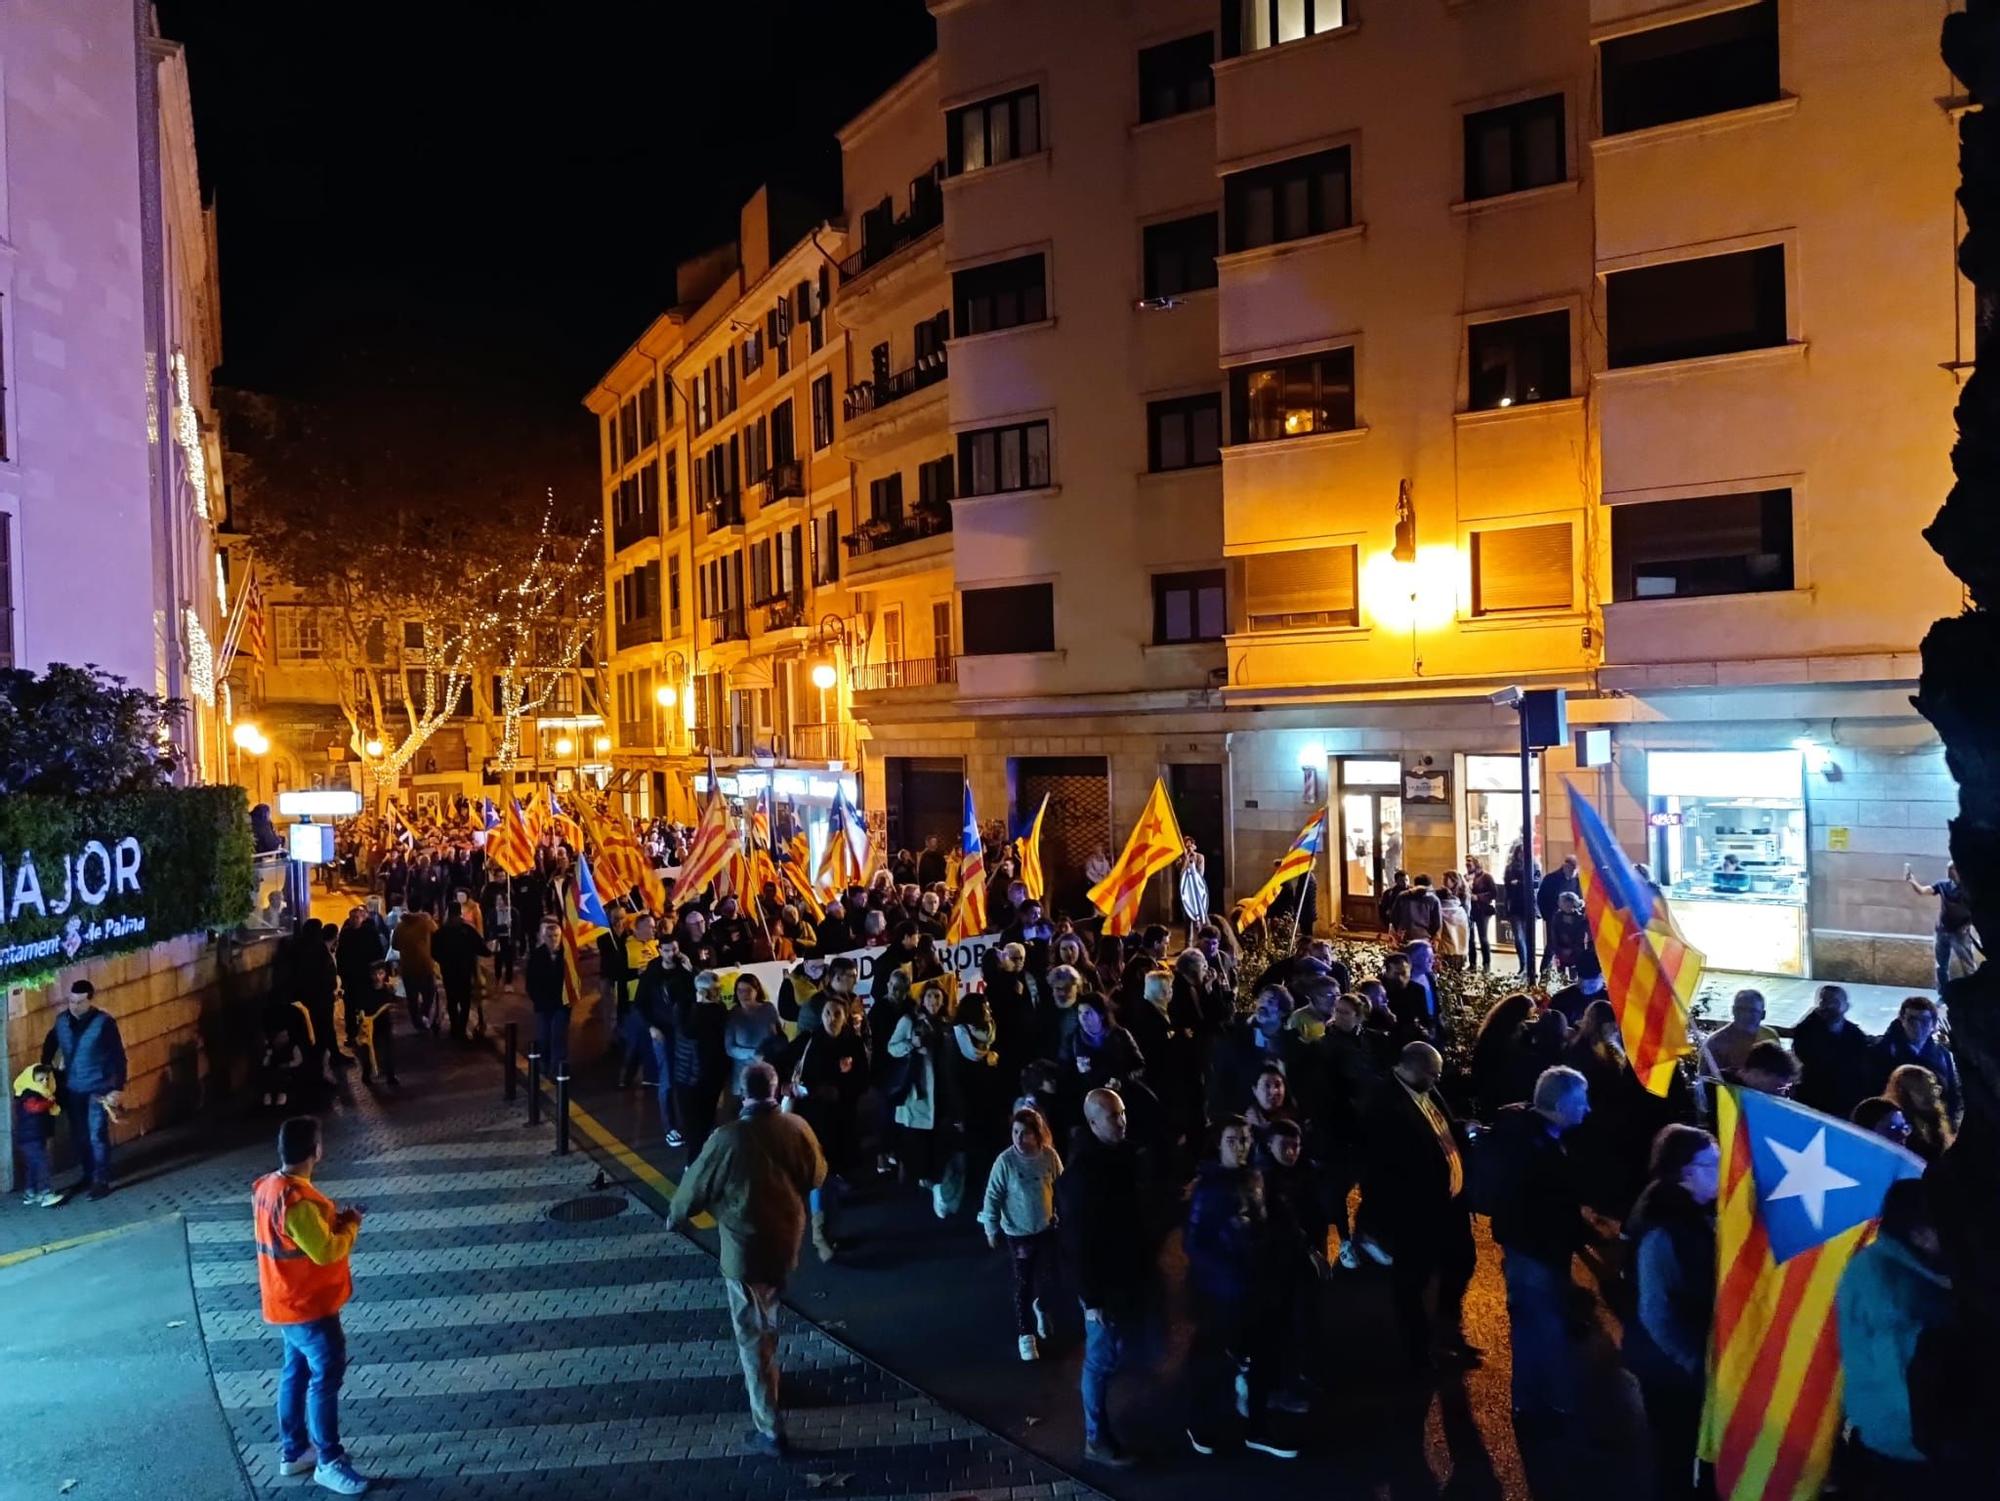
x=543, y=629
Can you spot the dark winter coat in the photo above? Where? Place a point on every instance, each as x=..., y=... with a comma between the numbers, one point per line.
x=1536, y=1203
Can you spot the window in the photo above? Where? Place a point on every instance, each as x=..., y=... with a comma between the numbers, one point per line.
x=784, y=441
x=927, y=339
x=1184, y=432
x=1252, y=25
x=673, y=489
x=1293, y=398
x=822, y=412
x=885, y=500
x=628, y=431
x=1683, y=310
x=1187, y=607
x=1513, y=361
x=610, y=444
x=1308, y=588
x=1174, y=77
x=826, y=549
x=1005, y=294
x=1522, y=568
x=1013, y=618
x=1701, y=67
x=1713, y=544
x=995, y=459
x=674, y=593
x=649, y=416
x=1515, y=147
x=994, y=131
x=1180, y=256
x=753, y=351
x=756, y=450
x=941, y=638
x=413, y=635
x=1289, y=200
x=936, y=482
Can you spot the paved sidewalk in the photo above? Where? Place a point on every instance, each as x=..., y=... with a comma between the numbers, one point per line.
x=495, y=1351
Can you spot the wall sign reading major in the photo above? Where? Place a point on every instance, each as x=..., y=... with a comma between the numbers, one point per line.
x=91, y=877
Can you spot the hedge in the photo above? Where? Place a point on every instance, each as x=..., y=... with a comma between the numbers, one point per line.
x=194, y=873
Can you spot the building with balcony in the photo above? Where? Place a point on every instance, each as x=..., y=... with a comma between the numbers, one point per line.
x=726, y=499
x=110, y=328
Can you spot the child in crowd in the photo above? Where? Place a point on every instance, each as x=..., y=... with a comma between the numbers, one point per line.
x=35, y=1110
x=375, y=1034
x=279, y=1062
x=1021, y=1205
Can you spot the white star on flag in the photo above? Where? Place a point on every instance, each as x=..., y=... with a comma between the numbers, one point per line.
x=1807, y=1176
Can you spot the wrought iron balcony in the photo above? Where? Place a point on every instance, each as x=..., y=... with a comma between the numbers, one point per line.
x=722, y=513
x=730, y=625
x=786, y=612
x=872, y=395
x=785, y=480
x=631, y=529
x=819, y=742
x=640, y=632
x=907, y=672
x=878, y=535
x=882, y=234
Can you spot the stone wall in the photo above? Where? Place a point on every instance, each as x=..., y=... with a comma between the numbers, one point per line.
x=187, y=1010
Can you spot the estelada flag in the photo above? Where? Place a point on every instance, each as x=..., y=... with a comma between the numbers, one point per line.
x=1800, y=1196
x=968, y=908
x=1155, y=844
x=710, y=850
x=1295, y=862
x=1650, y=971
x=844, y=862
x=1029, y=848
x=584, y=920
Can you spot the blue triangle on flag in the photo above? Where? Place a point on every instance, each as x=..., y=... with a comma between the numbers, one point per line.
x=1816, y=1177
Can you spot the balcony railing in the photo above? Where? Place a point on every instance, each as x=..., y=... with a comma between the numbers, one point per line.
x=907, y=672
x=723, y=740
x=873, y=395
x=629, y=531
x=879, y=535
x=727, y=511
x=785, y=613
x=730, y=625
x=882, y=236
x=641, y=632
x=818, y=742
x=785, y=480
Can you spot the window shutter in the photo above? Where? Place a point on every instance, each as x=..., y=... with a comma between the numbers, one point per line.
x=1311, y=586
x=1522, y=568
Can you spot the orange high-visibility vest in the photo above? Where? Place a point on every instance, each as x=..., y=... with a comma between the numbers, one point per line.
x=293, y=1289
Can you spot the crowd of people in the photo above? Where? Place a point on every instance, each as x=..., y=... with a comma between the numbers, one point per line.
x=1083, y=1097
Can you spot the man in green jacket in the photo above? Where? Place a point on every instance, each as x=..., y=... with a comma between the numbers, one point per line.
x=753, y=1176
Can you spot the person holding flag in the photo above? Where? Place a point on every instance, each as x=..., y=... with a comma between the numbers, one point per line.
x=844, y=863
x=1297, y=861
x=968, y=907
x=1155, y=843
x=1028, y=854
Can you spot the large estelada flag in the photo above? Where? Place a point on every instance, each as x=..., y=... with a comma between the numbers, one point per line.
x=512, y=845
x=709, y=851
x=1650, y=971
x=1154, y=845
x=844, y=862
x=968, y=908
x=584, y=921
x=1029, y=848
x=1800, y=1195
x=1295, y=862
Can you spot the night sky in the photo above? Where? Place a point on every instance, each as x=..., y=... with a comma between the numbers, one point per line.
x=476, y=208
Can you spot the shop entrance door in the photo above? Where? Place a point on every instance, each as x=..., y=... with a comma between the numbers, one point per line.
x=1371, y=844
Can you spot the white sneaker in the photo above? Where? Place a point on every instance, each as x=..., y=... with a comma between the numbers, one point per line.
x=1041, y=1320
x=1374, y=1252
x=305, y=1464
x=340, y=1477
x=48, y=1198
x=1029, y=1350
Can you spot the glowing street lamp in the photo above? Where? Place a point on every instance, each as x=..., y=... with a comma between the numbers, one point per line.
x=664, y=695
x=823, y=676
x=249, y=739
x=565, y=746
x=373, y=748
x=601, y=744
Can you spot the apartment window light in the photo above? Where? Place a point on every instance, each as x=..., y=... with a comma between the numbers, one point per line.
x=1515, y=147
x=1517, y=361
x=1253, y=25
x=1293, y=398
x=994, y=131
x=1683, y=71
x=1289, y=200
x=1696, y=307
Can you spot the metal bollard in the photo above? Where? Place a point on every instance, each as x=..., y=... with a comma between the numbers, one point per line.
x=534, y=1087
x=511, y=1057
x=562, y=1113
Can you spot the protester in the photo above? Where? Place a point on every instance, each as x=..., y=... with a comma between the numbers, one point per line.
x=1955, y=940
x=1493, y=1053
x=371, y=1019
x=1837, y=1068
x=753, y=1176
x=751, y=1031
x=1912, y=1038
x=412, y=939
x=303, y=1281
x=1020, y=1205
x=1537, y=1214
x=924, y=1095
x=458, y=949
x=1482, y=897
x=1894, y=1291
x=548, y=994
x=1918, y=1094
x=1101, y=1202
x=698, y=1060
x=1730, y=1046
x=85, y=1049
x=1884, y=1117
x=1671, y=1232
x=824, y=1073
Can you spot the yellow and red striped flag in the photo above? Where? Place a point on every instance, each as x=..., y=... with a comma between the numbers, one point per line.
x=709, y=852
x=1295, y=862
x=1650, y=971
x=562, y=823
x=968, y=908
x=1029, y=848
x=796, y=878
x=584, y=921
x=1154, y=845
x=844, y=862
x=1801, y=1193
x=512, y=845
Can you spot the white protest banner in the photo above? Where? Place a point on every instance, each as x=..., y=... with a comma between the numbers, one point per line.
x=961, y=961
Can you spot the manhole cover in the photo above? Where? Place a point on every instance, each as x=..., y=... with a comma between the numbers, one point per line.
x=590, y=1207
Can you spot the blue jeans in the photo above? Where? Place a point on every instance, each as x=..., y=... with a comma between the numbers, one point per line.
x=663, y=1064
x=1946, y=946
x=309, y=1388
x=552, y=1040
x=34, y=1167
x=1544, y=1366
x=89, y=1135
x=1103, y=1353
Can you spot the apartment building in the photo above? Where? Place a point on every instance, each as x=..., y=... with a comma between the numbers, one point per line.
x=727, y=499
x=110, y=326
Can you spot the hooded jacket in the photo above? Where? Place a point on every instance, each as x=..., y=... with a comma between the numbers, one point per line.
x=1888, y=1297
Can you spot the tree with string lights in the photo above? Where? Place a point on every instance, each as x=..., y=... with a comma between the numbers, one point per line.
x=543, y=628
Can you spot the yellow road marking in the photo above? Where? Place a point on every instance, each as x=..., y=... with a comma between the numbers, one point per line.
x=625, y=1156
x=15, y=1258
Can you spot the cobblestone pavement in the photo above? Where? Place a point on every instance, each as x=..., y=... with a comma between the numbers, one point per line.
x=496, y=1351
